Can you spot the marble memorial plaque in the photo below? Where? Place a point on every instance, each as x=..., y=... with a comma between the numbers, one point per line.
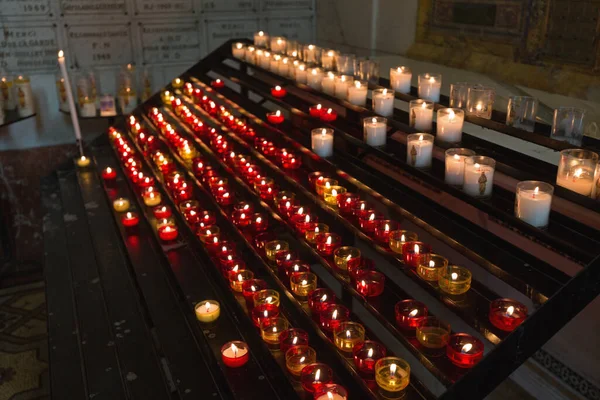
x=221, y=31
x=287, y=4
x=24, y=8
x=294, y=28
x=161, y=6
x=79, y=7
x=170, y=43
x=106, y=44
x=32, y=48
x=209, y=6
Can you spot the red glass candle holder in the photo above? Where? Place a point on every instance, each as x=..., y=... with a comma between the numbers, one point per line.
x=225, y=248
x=464, y=350
x=331, y=391
x=184, y=193
x=370, y=283
x=329, y=115
x=109, y=174
x=225, y=199
x=249, y=289
x=319, y=299
x=230, y=271
x=315, y=177
x=415, y=253
x=197, y=167
x=507, y=314
x=284, y=256
x=235, y=354
x=262, y=239
x=264, y=311
x=216, y=181
x=217, y=84
x=327, y=243
x=260, y=222
x=278, y=92
x=241, y=218
x=130, y=219
x=297, y=209
x=409, y=313
x=161, y=212
x=295, y=267
x=292, y=337
x=285, y=205
x=332, y=315
x=316, y=110
x=346, y=202
x=291, y=161
x=366, y=355
x=360, y=207
x=302, y=222
x=368, y=220
x=383, y=227
x=229, y=259
x=275, y=117
x=315, y=376
x=237, y=278
x=168, y=232
x=145, y=182
x=207, y=218
x=355, y=269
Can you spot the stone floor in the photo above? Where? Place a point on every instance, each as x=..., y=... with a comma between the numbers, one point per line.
x=23, y=343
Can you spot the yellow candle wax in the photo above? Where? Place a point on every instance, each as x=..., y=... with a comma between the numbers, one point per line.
x=272, y=247
x=298, y=357
x=152, y=199
x=311, y=233
x=121, y=204
x=303, y=283
x=323, y=184
x=348, y=335
x=344, y=255
x=207, y=311
x=272, y=328
x=430, y=271
x=454, y=280
x=392, y=374
x=398, y=238
x=331, y=193
x=433, y=333
x=83, y=162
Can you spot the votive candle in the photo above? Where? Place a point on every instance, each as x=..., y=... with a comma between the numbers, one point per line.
x=400, y=79
x=322, y=142
x=299, y=356
x=433, y=333
x=383, y=102
x=464, y=350
x=399, y=238
x=533, y=202
x=479, y=176
x=319, y=299
x=327, y=243
x=207, y=311
x=332, y=316
x=421, y=115
x=415, y=253
x=235, y=354
x=272, y=247
x=430, y=86
x=419, y=150
x=454, y=280
x=392, y=375
x=347, y=335
x=315, y=376
x=271, y=328
x=450, y=124
x=237, y=278
x=430, y=270
x=313, y=229
x=366, y=354
x=455, y=165
x=370, y=283
x=375, y=131
x=292, y=337
x=121, y=204
x=409, y=313
x=507, y=314
x=346, y=257
x=303, y=283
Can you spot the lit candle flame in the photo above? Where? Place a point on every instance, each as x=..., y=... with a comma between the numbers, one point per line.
x=348, y=334
x=432, y=80
x=324, y=297
x=384, y=92
x=372, y=217
x=417, y=249
x=423, y=105
x=240, y=277
x=466, y=348
x=317, y=375
x=295, y=340
x=234, y=349
x=266, y=313
x=403, y=238
x=413, y=313
x=278, y=247
x=261, y=33
x=454, y=276
x=421, y=138
x=278, y=88
x=329, y=396
x=328, y=240
x=478, y=107
x=431, y=263
x=324, y=131
x=334, y=315
x=303, y=358
x=207, y=306
x=370, y=353
x=304, y=282
x=128, y=215
x=329, y=111
x=278, y=113
x=393, y=369
x=456, y=157
x=510, y=310
x=578, y=173
x=239, y=45
x=333, y=192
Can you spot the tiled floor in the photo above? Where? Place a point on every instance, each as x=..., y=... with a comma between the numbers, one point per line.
x=23, y=343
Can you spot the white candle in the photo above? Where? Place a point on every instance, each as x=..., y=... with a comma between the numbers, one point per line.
x=357, y=93
x=383, y=102
x=322, y=141
x=265, y=60
x=301, y=73
x=533, y=205
x=328, y=59
x=274, y=66
x=74, y=120
x=479, y=177
x=238, y=51
x=455, y=165
x=421, y=115
x=314, y=78
x=430, y=86
x=419, y=150
x=235, y=352
x=331, y=396
x=284, y=67
x=341, y=86
x=22, y=89
x=400, y=79
x=250, y=54
x=328, y=84
x=88, y=108
x=375, y=129
x=310, y=53
x=577, y=181
x=278, y=44
x=261, y=39
x=450, y=124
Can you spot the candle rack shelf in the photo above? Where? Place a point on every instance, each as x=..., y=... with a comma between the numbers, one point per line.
x=12, y=117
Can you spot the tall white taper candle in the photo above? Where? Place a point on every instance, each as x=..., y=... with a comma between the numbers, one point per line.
x=73, y=109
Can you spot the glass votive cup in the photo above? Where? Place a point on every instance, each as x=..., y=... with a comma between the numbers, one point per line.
x=383, y=102
x=331, y=194
x=299, y=356
x=238, y=50
x=345, y=63
x=576, y=170
x=507, y=314
x=433, y=333
x=328, y=85
x=375, y=131
x=370, y=283
x=285, y=206
x=262, y=239
x=328, y=58
x=521, y=112
x=416, y=253
x=450, y=123
x=314, y=77
x=235, y=354
x=121, y=204
x=208, y=233
x=454, y=280
x=278, y=44
x=315, y=177
x=292, y=337
x=261, y=39
x=430, y=86
x=313, y=229
x=326, y=243
x=455, y=165
x=533, y=202
x=480, y=101
x=332, y=316
x=347, y=335
x=346, y=257
x=458, y=94
x=311, y=53
x=262, y=312
x=392, y=375
x=397, y=239
x=355, y=270
x=368, y=70
x=271, y=328
x=430, y=271
x=383, y=228
x=356, y=93
x=419, y=150
x=282, y=257
x=260, y=222
x=303, y=283
x=464, y=350
x=400, y=79
x=319, y=299
x=294, y=267
x=366, y=354
x=409, y=313
x=272, y=247
x=250, y=287
x=325, y=183
x=421, y=115
x=568, y=125
x=241, y=218
x=478, y=178
x=368, y=219
x=331, y=391
x=360, y=207
x=315, y=376
x=346, y=201
x=322, y=141
x=266, y=296
x=151, y=197
x=303, y=221
x=237, y=278
x=207, y=310
x=341, y=85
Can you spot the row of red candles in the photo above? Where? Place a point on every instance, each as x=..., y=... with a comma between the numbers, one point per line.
x=234, y=269
x=369, y=282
